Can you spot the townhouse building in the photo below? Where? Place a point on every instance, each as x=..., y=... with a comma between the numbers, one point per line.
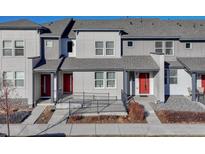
x=142, y=57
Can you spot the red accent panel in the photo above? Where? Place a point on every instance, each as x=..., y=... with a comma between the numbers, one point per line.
x=144, y=83
x=45, y=85
x=203, y=81
x=68, y=83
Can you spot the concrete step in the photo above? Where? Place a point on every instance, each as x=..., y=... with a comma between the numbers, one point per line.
x=67, y=105
x=35, y=114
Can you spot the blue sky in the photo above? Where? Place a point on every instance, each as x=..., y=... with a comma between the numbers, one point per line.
x=42, y=19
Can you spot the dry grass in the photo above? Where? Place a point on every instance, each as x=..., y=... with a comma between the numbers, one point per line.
x=167, y=116
x=45, y=115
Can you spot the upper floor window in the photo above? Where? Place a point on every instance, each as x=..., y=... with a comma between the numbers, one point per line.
x=99, y=48
x=49, y=43
x=188, y=45
x=104, y=48
x=19, y=48
x=7, y=48
x=109, y=48
x=129, y=43
x=19, y=79
x=70, y=46
x=166, y=47
x=13, y=46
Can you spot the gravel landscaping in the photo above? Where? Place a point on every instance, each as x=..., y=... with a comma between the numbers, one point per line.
x=45, y=115
x=178, y=103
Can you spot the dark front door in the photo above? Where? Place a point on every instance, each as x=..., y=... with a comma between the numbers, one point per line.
x=45, y=85
x=144, y=83
x=203, y=81
x=68, y=83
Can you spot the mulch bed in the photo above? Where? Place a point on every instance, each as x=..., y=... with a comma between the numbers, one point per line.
x=45, y=115
x=168, y=116
x=136, y=114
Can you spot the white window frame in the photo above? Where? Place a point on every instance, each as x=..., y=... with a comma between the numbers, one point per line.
x=3, y=48
x=19, y=48
x=190, y=45
x=5, y=79
x=104, y=48
x=14, y=79
x=110, y=79
x=19, y=79
x=47, y=43
x=176, y=76
x=105, y=80
x=128, y=44
x=99, y=79
x=109, y=48
x=99, y=48
x=164, y=47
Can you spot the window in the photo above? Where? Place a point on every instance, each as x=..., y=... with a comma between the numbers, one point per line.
x=19, y=48
x=110, y=77
x=70, y=46
x=173, y=76
x=165, y=47
x=98, y=48
x=7, y=48
x=129, y=43
x=188, y=45
x=8, y=79
x=109, y=48
x=49, y=43
x=158, y=47
x=169, y=48
x=19, y=79
x=99, y=79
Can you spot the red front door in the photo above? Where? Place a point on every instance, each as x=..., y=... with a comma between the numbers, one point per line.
x=144, y=83
x=45, y=85
x=68, y=83
x=203, y=81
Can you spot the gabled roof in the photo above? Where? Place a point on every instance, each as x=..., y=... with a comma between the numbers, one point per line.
x=138, y=28
x=56, y=28
x=137, y=63
x=21, y=24
x=193, y=64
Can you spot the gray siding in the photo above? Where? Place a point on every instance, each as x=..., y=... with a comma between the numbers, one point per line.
x=85, y=43
x=52, y=52
x=31, y=49
x=144, y=47
x=84, y=81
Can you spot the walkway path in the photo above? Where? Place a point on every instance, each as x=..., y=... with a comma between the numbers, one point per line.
x=59, y=116
x=106, y=130
x=35, y=114
x=151, y=116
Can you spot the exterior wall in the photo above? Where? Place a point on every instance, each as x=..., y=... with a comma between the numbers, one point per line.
x=85, y=44
x=37, y=86
x=52, y=52
x=64, y=47
x=84, y=81
x=183, y=82
x=21, y=63
x=144, y=47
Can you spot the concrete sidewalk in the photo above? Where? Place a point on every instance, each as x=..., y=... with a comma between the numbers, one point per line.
x=106, y=130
